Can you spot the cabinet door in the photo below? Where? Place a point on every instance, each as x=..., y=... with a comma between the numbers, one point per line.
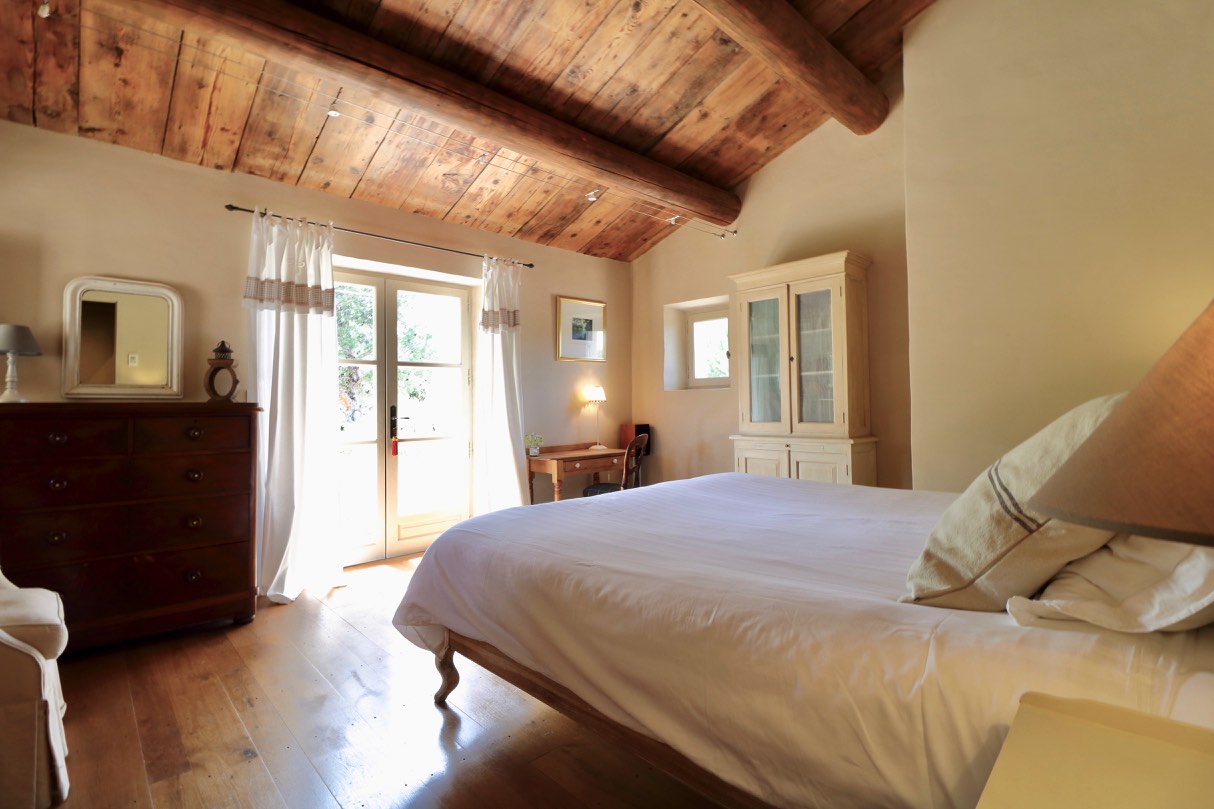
x=772, y=463
x=763, y=399
x=819, y=348
x=819, y=466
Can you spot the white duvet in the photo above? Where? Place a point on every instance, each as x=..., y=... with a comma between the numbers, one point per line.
x=754, y=625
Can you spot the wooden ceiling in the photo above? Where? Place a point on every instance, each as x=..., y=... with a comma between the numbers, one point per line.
x=598, y=126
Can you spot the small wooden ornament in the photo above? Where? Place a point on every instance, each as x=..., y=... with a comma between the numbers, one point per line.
x=221, y=363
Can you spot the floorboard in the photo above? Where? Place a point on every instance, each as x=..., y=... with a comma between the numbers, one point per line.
x=322, y=704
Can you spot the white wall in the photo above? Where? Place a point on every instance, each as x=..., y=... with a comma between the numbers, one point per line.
x=1060, y=210
x=70, y=207
x=831, y=191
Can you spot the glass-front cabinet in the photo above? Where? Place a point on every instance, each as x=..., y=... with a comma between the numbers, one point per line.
x=802, y=343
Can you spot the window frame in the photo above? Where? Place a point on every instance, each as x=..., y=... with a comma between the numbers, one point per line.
x=690, y=318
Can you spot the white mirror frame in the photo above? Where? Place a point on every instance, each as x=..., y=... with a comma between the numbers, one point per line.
x=73, y=295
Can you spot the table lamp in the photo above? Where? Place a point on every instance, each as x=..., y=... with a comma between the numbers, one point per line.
x=1147, y=469
x=15, y=341
x=597, y=397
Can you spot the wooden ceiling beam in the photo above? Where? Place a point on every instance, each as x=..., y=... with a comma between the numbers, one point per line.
x=287, y=35
x=775, y=33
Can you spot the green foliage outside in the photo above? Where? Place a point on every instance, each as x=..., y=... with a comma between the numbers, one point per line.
x=356, y=340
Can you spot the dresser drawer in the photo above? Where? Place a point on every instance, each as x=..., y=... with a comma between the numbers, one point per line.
x=191, y=475
x=50, y=484
x=190, y=434
x=95, y=591
x=77, y=483
x=45, y=538
x=66, y=437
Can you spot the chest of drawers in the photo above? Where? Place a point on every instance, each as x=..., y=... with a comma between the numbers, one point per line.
x=139, y=515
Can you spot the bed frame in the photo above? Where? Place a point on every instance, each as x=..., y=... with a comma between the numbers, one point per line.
x=556, y=696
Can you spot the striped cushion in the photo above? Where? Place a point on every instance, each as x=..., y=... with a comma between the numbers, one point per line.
x=988, y=545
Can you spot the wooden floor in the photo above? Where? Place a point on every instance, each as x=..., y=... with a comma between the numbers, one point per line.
x=322, y=704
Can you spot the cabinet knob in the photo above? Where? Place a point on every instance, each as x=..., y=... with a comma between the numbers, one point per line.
x=57, y=484
x=193, y=521
x=615, y=460
x=194, y=475
x=194, y=433
x=577, y=465
x=56, y=438
x=56, y=537
x=193, y=576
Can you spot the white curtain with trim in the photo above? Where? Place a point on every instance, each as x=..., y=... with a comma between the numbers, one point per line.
x=290, y=297
x=499, y=476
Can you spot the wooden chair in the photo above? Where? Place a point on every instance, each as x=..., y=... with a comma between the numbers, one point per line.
x=631, y=478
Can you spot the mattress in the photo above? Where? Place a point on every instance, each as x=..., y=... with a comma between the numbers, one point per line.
x=753, y=624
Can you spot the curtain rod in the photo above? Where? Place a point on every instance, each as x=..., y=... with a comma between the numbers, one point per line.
x=232, y=207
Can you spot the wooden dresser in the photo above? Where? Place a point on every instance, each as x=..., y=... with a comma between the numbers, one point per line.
x=140, y=515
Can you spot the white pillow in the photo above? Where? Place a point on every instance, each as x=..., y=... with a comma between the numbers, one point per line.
x=1133, y=584
x=989, y=545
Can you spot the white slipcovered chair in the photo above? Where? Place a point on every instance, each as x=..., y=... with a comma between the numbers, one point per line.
x=33, y=748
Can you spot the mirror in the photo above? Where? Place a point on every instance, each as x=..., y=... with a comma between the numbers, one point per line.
x=121, y=339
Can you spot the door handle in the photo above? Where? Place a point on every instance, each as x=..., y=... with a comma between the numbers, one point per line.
x=392, y=427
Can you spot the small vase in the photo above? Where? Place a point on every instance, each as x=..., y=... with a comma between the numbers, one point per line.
x=533, y=451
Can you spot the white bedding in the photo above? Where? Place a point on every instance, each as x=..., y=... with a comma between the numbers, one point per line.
x=754, y=625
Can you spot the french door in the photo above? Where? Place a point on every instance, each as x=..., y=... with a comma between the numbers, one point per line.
x=403, y=390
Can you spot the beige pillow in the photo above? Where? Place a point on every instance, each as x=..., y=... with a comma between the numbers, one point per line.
x=1132, y=584
x=989, y=545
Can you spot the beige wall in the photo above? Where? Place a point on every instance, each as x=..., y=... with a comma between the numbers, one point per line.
x=72, y=207
x=831, y=191
x=1060, y=210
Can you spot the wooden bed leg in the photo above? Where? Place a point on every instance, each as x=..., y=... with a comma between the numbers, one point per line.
x=444, y=661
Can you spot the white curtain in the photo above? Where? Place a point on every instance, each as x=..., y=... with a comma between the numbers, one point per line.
x=499, y=477
x=289, y=292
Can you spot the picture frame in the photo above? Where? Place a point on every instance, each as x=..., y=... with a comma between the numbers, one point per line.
x=581, y=330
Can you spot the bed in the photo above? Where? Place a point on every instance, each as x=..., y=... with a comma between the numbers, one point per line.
x=748, y=633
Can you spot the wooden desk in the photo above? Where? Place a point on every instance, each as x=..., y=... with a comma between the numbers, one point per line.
x=558, y=461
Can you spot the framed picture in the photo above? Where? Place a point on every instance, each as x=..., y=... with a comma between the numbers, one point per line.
x=581, y=330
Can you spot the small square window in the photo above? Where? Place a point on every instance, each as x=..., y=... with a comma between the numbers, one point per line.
x=708, y=349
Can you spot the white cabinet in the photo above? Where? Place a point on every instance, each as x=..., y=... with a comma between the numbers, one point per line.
x=826, y=460
x=800, y=332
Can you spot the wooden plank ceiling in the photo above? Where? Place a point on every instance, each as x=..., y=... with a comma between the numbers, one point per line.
x=598, y=126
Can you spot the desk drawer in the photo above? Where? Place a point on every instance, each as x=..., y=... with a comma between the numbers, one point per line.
x=573, y=467
x=46, y=538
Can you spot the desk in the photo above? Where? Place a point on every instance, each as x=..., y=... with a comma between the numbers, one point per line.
x=571, y=459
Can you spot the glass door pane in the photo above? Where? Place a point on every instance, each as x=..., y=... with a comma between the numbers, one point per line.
x=428, y=487
x=815, y=376
x=360, y=465
x=763, y=335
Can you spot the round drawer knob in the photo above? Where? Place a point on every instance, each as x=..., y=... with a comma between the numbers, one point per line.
x=57, y=484
x=195, y=433
x=615, y=460
x=577, y=465
x=194, y=475
x=56, y=438
x=193, y=576
x=193, y=521
x=57, y=537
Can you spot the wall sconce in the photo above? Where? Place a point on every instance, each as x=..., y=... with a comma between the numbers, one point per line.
x=15, y=341
x=596, y=396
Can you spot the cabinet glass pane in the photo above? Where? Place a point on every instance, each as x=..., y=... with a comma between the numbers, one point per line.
x=815, y=377
x=763, y=321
